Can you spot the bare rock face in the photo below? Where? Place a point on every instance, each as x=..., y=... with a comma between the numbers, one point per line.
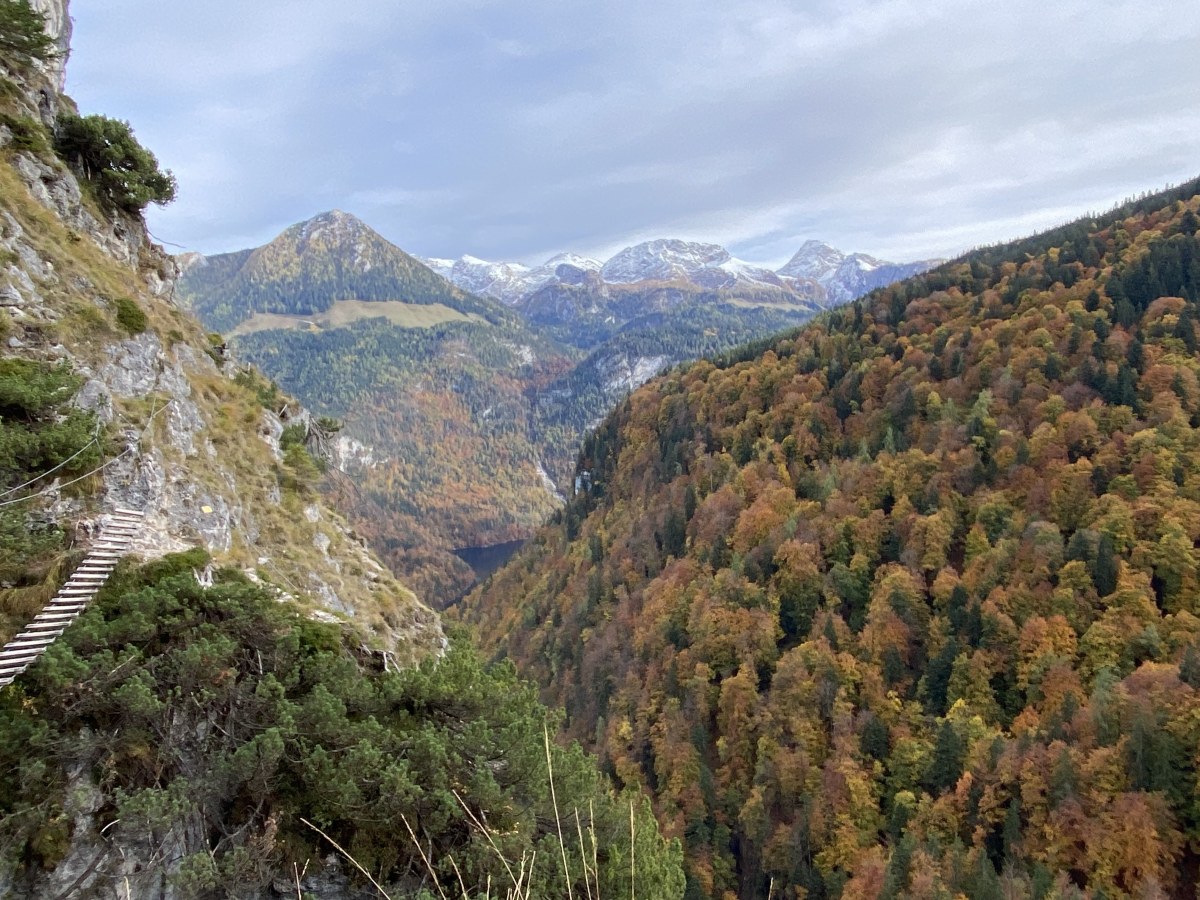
x=44, y=84
x=56, y=188
x=58, y=26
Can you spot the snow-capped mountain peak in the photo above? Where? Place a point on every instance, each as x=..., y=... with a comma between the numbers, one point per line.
x=442, y=266
x=662, y=260
x=862, y=262
x=815, y=260
x=504, y=281
x=585, y=263
x=838, y=276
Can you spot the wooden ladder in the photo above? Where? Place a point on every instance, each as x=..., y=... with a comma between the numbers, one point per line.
x=115, y=541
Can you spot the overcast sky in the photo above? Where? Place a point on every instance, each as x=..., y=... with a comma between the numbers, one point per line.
x=514, y=129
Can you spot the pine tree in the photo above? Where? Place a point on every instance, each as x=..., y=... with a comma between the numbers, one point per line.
x=1185, y=329
x=896, y=878
x=936, y=682
x=945, y=768
x=1063, y=780
x=984, y=883
x=876, y=740
x=1105, y=569
x=1189, y=668
x=1012, y=829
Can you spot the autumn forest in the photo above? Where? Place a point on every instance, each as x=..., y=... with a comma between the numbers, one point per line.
x=905, y=602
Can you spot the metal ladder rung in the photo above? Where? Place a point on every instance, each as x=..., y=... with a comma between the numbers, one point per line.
x=22, y=641
x=116, y=539
x=55, y=616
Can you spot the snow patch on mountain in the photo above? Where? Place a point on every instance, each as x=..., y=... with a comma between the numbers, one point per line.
x=815, y=260
x=662, y=260
x=818, y=272
x=847, y=277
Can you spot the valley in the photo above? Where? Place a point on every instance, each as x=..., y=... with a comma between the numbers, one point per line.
x=463, y=412
x=329, y=571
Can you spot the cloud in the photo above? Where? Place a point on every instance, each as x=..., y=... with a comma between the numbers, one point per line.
x=904, y=128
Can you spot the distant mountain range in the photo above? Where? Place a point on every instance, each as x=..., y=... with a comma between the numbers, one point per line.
x=466, y=386
x=818, y=273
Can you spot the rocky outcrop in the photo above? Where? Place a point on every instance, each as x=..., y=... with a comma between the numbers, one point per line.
x=150, y=860
x=204, y=476
x=121, y=236
x=58, y=26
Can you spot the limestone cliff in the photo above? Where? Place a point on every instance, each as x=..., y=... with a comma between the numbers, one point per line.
x=192, y=440
x=189, y=438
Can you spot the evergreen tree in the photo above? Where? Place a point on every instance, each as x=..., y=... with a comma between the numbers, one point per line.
x=1105, y=569
x=1012, y=829
x=23, y=36
x=984, y=883
x=1063, y=780
x=876, y=739
x=124, y=174
x=1189, y=668
x=936, y=682
x=945, y=767
x=895, y=880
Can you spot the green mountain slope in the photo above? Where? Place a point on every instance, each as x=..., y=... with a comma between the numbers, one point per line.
x=905, y=603
x=309, y=267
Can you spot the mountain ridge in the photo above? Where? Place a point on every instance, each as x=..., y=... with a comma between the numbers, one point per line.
x=840, y=277
x=310, y=265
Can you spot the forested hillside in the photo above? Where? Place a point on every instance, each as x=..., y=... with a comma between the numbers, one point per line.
x=569, y=405
x=465, y=414
x=444, y=414
x=905, y=603
x=436, y=405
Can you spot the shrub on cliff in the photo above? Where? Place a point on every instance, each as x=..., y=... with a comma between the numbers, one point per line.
x=23, y=36
x=122, y=173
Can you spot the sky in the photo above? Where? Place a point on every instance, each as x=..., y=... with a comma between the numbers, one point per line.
x=516, y=129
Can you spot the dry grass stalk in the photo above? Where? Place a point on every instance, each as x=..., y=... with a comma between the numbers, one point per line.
x=354, y=862
x=557, y=821
x=488, y=835
x=587, y=881
x=425, y=859
x=461, y=885
x=595, y=854
x=296, y=871
x=632, y=866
